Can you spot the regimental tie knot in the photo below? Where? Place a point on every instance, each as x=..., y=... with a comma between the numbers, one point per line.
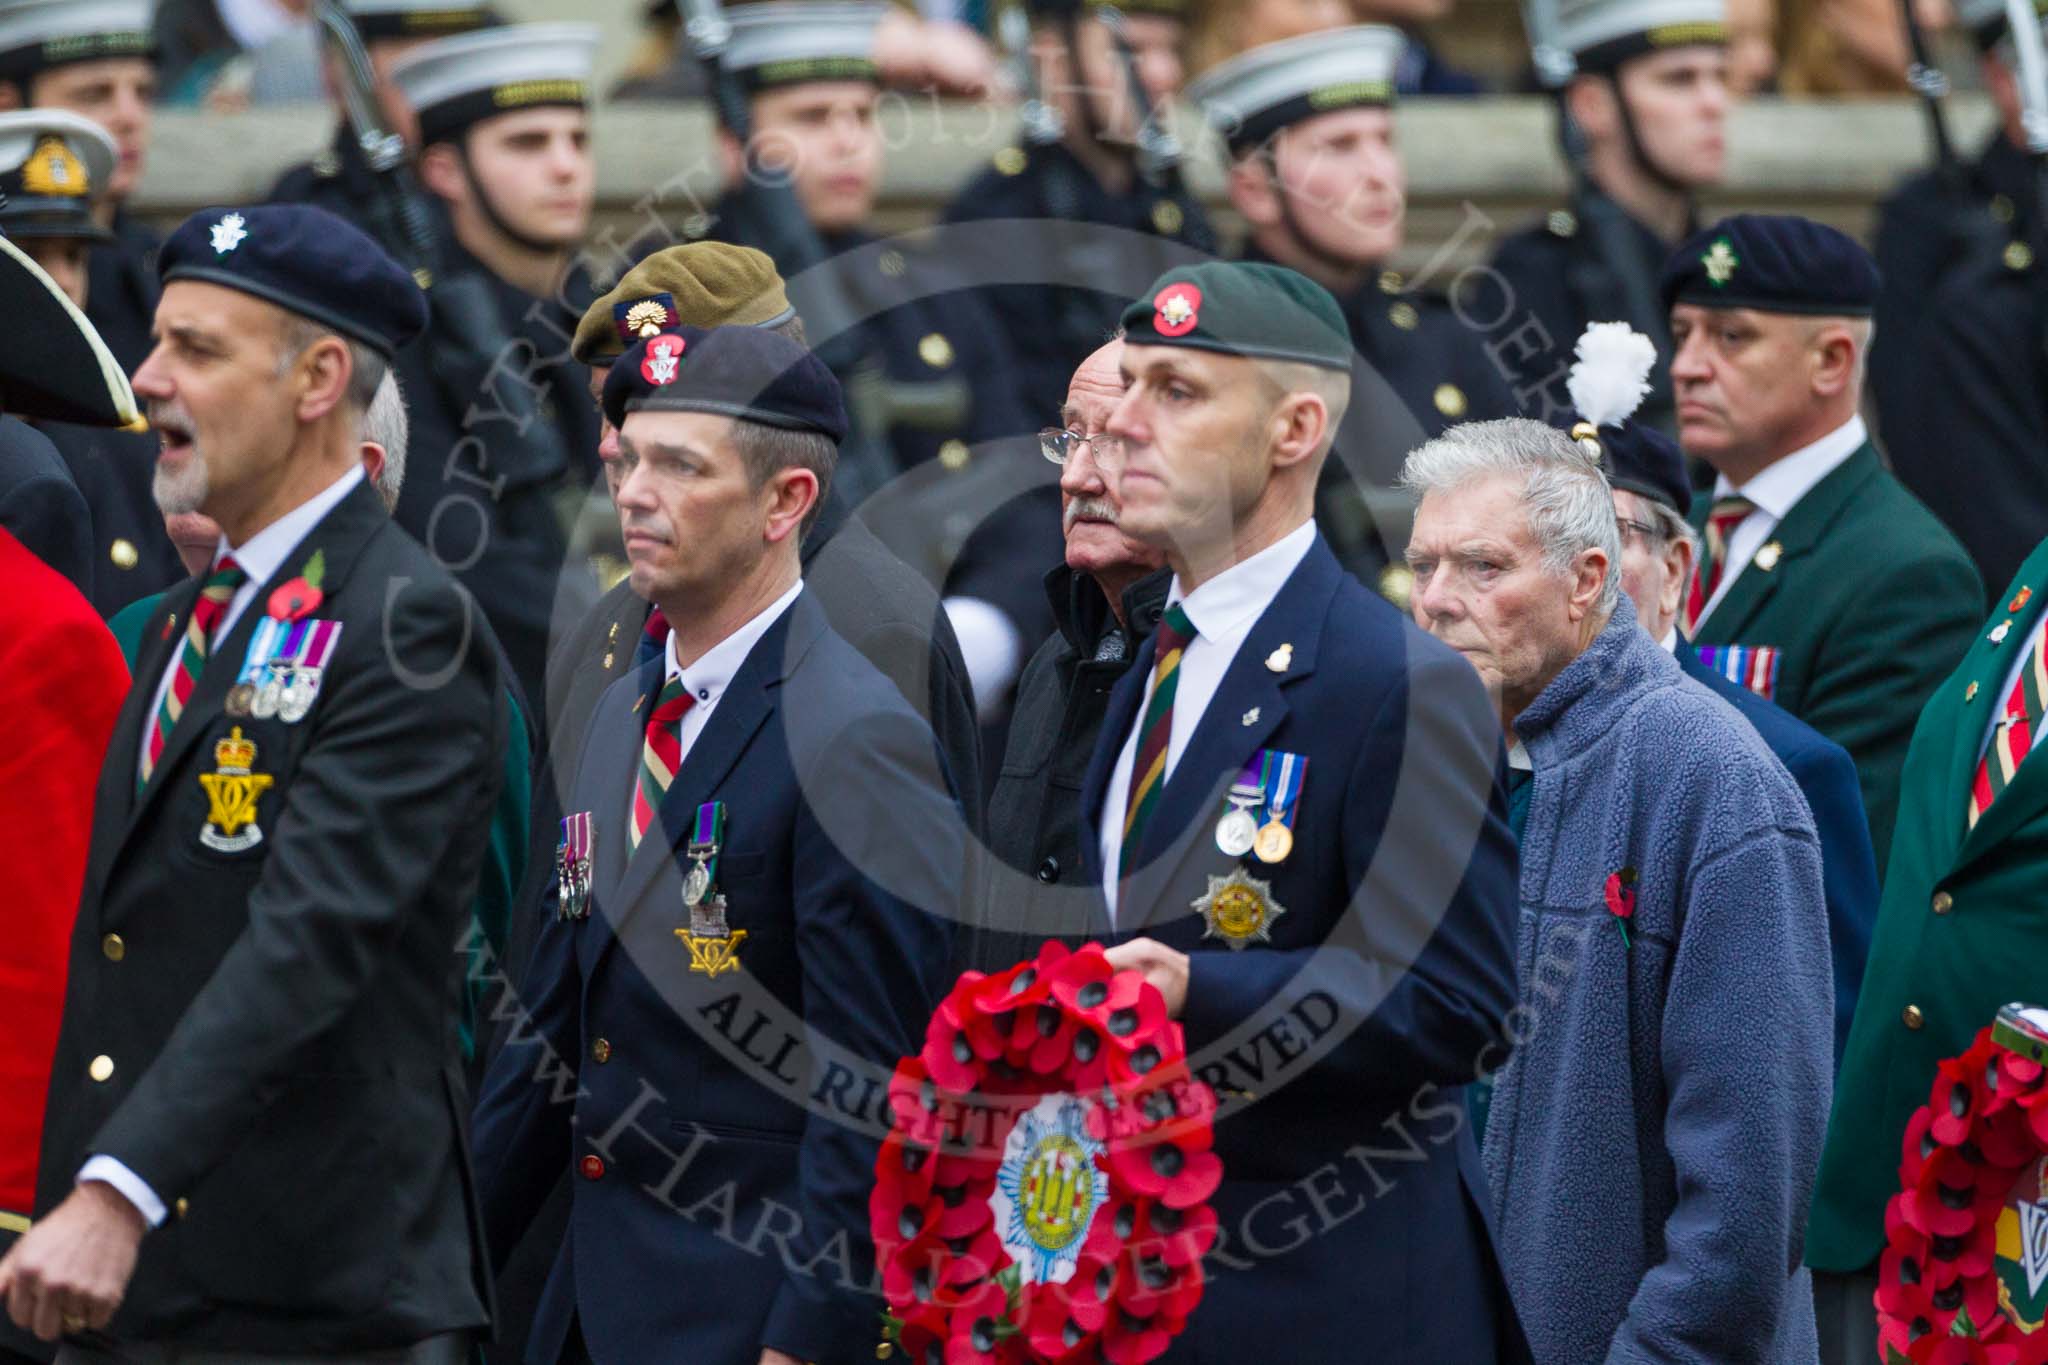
x=1720, y=262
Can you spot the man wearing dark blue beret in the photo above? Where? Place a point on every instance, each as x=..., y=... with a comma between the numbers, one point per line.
x=751, y=920
x=290, y=822
x=1823, y=584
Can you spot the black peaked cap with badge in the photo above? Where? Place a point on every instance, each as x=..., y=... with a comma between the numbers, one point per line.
x=1245, y=308
x=306, y=261
x=743, y=372
x=1774, y=263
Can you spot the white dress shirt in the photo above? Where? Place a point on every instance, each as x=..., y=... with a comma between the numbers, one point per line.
x=2022, y=646
x=1776, y=491
x=267, y=552
x=1222, y=612
x=707, y=679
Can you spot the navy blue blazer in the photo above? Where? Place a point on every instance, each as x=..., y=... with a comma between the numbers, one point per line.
x=723, y=1130
x=1355, y=1223
x=1827, y=778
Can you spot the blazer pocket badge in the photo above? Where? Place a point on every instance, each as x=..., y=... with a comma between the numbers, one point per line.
x=233, y=790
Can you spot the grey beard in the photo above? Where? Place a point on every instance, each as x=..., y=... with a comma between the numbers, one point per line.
x=185, y=491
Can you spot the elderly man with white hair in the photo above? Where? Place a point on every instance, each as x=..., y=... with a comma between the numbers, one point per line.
x=1652, y=1143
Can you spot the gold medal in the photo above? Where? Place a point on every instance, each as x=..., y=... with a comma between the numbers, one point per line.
x=1238, y=909
x=1274, y=843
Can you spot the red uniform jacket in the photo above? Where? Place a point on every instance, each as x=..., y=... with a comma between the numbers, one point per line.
x=62, y=680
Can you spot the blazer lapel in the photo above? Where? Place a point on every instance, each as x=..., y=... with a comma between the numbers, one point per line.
x=1247, y=709
x=1795, y=537
x=341, y=535
x=743, y=709
x=115, y=803
x=2027, y=795
x=1124, y=700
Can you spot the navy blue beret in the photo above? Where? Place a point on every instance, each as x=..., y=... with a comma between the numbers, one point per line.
x=306, y=261
x=1776, y=263
x=745, y=372
x=1636, y=457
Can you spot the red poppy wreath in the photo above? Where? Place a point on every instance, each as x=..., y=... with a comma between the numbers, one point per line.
x=1043, y=1194
x=1964, y=1277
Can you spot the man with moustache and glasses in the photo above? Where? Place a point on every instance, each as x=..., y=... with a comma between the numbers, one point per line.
x=1107, y=596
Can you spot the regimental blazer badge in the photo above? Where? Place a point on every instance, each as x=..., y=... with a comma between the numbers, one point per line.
x=232, y=793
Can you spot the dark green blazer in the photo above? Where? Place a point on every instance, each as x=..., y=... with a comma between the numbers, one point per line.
x=1962, y=930
x=1869, y=602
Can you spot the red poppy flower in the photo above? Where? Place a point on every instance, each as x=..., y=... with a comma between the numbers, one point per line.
x=1953, y=1103
x=1128, y=1340
x=980, y=1329
x=1151, y=1286
x=1916, y=1146
x=960, y=1212
x=921, y=1336
x=1177, y=1236
x=294, y=600
x=920, y=1111
x=1901, y=1284
x=1943, y=1204
x=950, y=1055
x=1059, y=1325
x=1167, y=1171
x=2004, y=1138
x=899, y=1209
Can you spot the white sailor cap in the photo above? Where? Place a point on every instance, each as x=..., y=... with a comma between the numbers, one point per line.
x=790, y=42
x=54, y=166
x=453, y=83
x=1255, y=94
x=375, y=19
x=36, y=35
x=1989, y=21
x=1602, y=34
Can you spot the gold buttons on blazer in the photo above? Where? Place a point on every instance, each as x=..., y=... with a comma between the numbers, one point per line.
x=182, y=1207
x=102, y=1068
x=1943, y=902
x=600, y=1051
x=113, y=947
x=1912, y=1017
x=124, y=554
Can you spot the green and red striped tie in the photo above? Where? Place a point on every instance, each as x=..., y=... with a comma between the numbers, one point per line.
x=660, y=755
x=1722, y=519
x=214, y=596
x=2012, y=739
x=1148, y=772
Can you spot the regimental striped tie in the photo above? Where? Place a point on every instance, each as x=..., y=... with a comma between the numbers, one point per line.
x=660, y=755
x=214, y=596
x=1148, y=772
x=1726, y=514
x=2012, y=739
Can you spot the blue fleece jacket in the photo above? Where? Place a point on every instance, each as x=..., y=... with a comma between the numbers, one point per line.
x=1653, y=1140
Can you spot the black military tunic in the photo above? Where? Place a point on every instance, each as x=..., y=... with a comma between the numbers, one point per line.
x=490, y=508
x=122, y=290
x=1053, y=328
x=1957, y=367
x=1557, y=279
x=338, y=180
x=131, y=556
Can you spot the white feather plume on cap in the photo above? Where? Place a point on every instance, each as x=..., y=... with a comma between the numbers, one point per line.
x=1611, y=376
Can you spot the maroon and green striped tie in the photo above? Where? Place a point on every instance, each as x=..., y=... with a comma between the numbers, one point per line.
x=660, y=755
x=214, y=596
x=1148, y=772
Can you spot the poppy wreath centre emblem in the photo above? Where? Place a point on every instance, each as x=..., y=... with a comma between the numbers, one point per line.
x=1043, y=1194
x=664, y=355
x=1964, y=1275
x=1176, y=310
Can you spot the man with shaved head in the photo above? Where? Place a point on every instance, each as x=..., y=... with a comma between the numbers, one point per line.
x=1106, y=598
